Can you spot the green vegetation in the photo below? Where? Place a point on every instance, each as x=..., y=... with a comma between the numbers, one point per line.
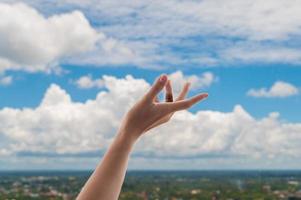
x=139, y=185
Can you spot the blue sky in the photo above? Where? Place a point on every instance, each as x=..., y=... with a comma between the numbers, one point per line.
x=230, y=88
x=74, y=56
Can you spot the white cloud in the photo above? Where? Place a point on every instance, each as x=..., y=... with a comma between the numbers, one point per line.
x=250, y=21
x=278, y=89
x=205, y=33
x=61, y=126
x=270, y=54
x=202, y=81
x=33, y=42
x=86, y=82
x=108, y=51
x=218, y=134
x=6, y=80
x=4, y=152
x=177, y=78
x=247, y=18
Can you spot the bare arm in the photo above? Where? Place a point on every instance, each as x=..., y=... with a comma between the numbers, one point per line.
x=106, y=181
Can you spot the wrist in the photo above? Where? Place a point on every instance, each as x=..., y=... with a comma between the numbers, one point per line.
x=125, y=139
x=128, y=135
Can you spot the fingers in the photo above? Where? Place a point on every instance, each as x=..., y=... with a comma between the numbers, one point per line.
x=183, y=92
x=183, y=104
x=157, y=87
x=168, y=94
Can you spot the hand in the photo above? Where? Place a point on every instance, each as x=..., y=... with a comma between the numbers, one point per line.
x=169, y=98
x=148, y=112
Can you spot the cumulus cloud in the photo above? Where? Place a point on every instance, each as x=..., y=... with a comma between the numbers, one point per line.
x=60, y=126
x=278, y=89
x=177, y=78
x=86, y=82
x=202, y=81
x=216, y=134
x=32, y=42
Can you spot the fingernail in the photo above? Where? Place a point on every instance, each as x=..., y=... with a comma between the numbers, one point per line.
x=163, y=78
x=206, y=95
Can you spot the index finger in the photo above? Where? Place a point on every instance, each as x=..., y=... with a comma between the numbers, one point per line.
x=157, y=87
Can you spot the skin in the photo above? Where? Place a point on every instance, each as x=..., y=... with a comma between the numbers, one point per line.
x=106, y=181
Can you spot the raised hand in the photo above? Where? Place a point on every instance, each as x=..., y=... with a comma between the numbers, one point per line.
x=148, y=112
x=169, y=98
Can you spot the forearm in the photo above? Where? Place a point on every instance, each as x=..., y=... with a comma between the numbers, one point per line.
x=106, y=181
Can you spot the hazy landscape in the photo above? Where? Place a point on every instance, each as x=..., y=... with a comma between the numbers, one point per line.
x=169, y=185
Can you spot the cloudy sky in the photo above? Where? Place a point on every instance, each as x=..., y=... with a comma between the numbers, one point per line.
x=70, y=69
